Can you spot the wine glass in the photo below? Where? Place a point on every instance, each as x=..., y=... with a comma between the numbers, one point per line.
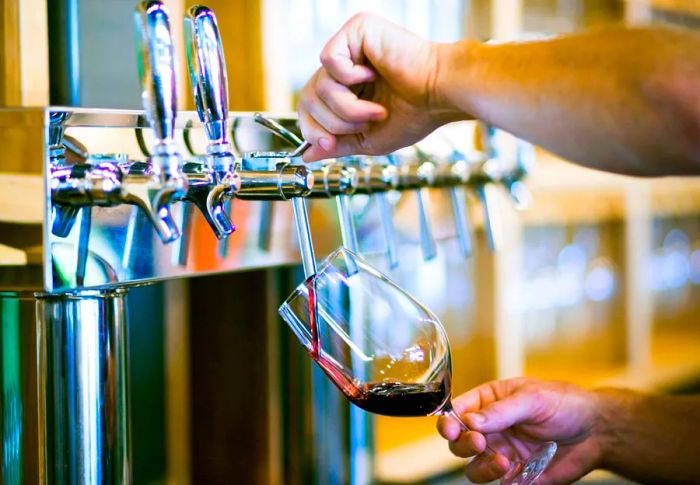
x=384, y=350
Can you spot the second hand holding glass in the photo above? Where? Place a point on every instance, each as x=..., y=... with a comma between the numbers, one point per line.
x=399, y=365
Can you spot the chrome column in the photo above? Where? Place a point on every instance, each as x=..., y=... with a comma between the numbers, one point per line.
x=83, y=387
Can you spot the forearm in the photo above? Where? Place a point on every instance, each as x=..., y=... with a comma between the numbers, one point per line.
x=626, y=101
x=650, y=439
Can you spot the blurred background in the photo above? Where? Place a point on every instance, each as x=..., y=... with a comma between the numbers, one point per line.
x=599, y=283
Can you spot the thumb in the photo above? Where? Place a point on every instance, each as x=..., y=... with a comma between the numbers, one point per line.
x=501, y=415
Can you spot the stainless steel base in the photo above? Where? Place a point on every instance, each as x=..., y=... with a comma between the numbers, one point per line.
x=65, y=406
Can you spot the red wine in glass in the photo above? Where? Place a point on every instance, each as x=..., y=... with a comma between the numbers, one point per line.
x=397, y=369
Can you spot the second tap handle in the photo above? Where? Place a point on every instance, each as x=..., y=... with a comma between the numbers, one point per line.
x=207, y=68
x=461, y=222
x=492, y=223
x=157, y=71
x=427, y=241
x=347, y=223
x=386, y=220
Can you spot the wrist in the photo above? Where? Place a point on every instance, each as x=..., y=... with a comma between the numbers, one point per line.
x=613, y=408
x=455, y=83
x=449, y=89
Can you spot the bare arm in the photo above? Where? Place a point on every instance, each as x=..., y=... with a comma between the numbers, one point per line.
x=625, y=100
x=650, y=439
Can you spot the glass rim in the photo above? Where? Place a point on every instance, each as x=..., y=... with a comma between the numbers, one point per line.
x=300, y=329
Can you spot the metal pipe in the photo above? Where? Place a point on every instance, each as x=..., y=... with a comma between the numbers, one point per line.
x=82, y=382
x=306, y=247
x=64, y=52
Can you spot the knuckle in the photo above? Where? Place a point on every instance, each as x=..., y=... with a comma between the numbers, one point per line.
x=337, y=126
x=362, y=18
x=324, y=89
x=326, y=57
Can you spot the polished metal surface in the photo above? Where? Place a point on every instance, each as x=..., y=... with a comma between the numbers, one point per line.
x=207, y=68
x=22, y=431
x=83, y=387
x=212, y=183
x=154, y=189
x=418, y=174
x=123, y=248
x=156, y=62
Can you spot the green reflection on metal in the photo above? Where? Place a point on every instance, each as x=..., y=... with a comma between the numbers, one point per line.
x=11, y=396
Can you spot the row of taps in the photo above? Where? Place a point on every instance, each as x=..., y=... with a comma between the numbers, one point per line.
x=209, y=182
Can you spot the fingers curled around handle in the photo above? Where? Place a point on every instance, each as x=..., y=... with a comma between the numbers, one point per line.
x=344, y=103
x=343, y=56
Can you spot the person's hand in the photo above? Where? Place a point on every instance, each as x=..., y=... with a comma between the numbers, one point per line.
x=518, y=415
x=375, y=92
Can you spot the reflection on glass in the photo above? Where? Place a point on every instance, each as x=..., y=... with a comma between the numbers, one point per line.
x=385, y=351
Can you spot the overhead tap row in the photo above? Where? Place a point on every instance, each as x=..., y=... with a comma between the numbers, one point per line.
x=211, y=181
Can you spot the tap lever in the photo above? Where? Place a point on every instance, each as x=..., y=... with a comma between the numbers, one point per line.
x=461, y=221
x=275, y=127
x=418, y=176
x=153, y=191
x=387, y=222
x=492, y=222
x=428, y=244
x=157, y=72
x=454, y=175
x=347, y=224
x=279, y=130
x=207, y=68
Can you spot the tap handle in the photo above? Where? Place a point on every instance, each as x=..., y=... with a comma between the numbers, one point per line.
x=492, y=222
x=486, y=139
x=157, y=71
x=427, y=241
x=347, y=223
x=207, y=68
x=385, y=217
x=459, y=211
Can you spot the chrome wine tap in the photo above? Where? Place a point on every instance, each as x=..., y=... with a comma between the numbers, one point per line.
x=212, y=184
x=418, y=174
x=154, y=188
x=453, y=174
x=376, y=179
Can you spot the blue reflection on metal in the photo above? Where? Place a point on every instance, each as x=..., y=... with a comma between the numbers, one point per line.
x=11, y=397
